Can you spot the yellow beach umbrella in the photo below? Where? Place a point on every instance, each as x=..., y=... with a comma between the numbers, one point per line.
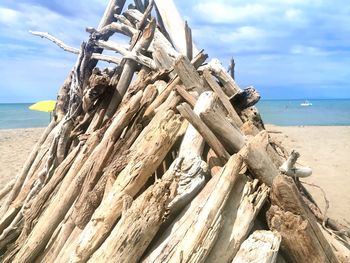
x=45, y=105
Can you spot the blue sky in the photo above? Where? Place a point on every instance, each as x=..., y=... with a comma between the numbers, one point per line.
x=285, y=48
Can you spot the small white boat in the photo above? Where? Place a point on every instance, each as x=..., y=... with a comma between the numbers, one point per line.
x=306, y=103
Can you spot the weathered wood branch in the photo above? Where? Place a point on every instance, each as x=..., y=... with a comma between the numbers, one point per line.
x=223, y=97
x=245, y=98
x=146, y=14
x=189, y=76
x=137, y=226
x=97, y=56
x=203, y=129
x=229, y=85
x=257, y=159
x=252, y=114
x=190, y=99
x=288, y=167
x=139, y=58
x=129, y=69
x=231, y=137
x=114, y=27
x=243, y=206
x=189, y=43
x=114, y=7
x=192, y=169
x=261, y=246
x=301, y=236
x=174, y=25
x=7, y=188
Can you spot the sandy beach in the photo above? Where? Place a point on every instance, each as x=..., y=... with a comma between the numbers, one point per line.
x=15, y=147
x=326, y=149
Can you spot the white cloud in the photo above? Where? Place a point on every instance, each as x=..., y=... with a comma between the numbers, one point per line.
x=296, y=17
x=8, y=16
x=222, y=13
x=306, y=50
x=245, y=33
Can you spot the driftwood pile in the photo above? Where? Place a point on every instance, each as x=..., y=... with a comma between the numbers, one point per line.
x=162, y=158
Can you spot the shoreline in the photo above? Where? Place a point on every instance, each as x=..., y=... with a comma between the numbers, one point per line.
x=324, y=148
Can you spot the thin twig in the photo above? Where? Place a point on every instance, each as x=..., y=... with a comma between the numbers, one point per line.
x=141, y=25
x=74, y=50
x=55, y=40
x=325, y=199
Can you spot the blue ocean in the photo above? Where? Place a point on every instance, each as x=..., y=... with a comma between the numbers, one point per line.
x=17, y=115
x=278, y=112
x=335, y=112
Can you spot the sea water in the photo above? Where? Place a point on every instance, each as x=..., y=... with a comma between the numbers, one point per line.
x=18, y=115
x=278, y=112
x=290, y=113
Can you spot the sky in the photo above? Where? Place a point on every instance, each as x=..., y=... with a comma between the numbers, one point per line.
x=287, y=49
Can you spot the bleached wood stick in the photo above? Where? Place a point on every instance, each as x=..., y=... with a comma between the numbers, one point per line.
x=242, y=208
x=229, y=85
x=231, y=137
x=115, y=27
x=159, y=38
x=257, y=159
x=203, y=129
x=174, y=25
x=129, y=69
x=7, y=188
x=193, y=169
x=189, y=76
x=56, y=41
x=261, y=246
x=110, y=45
x=113, y=7
x=122, y=19
x=288, y=167
x=141, y=24
x=103, y=44
x=189, y=43
x=190, y=99
x=223, y=97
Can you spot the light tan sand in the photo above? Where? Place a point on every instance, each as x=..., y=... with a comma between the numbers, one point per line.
x=15, y=147
x=326, y=149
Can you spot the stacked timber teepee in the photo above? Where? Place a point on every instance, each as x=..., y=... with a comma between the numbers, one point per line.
x=161, y=159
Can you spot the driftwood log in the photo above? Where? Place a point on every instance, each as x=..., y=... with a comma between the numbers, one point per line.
x=160, y=158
